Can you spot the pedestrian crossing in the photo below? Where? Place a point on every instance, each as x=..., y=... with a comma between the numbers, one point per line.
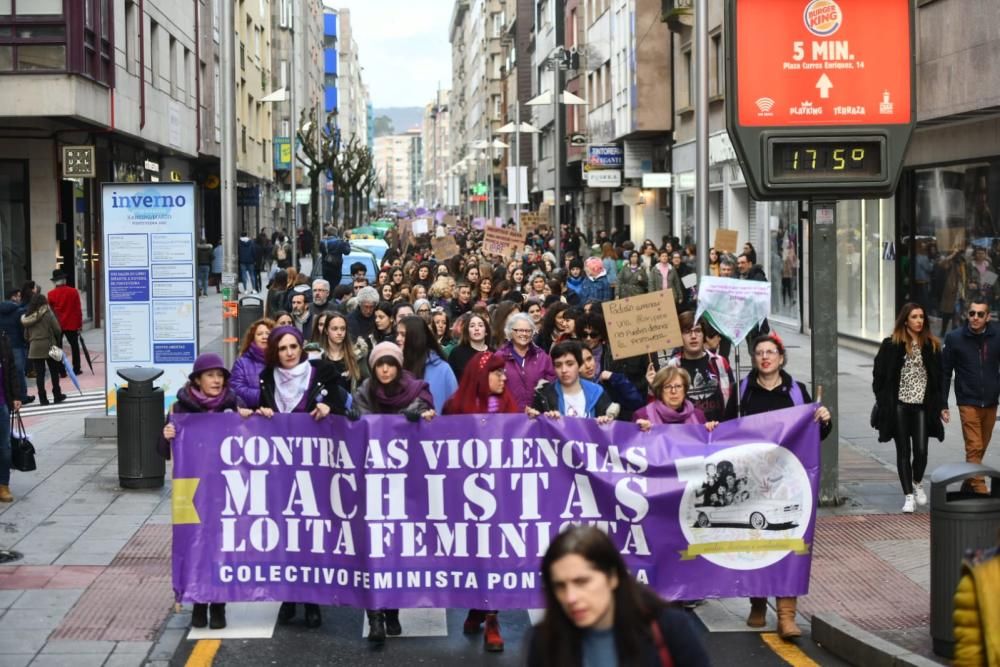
x=92, y=399
x=257, y=620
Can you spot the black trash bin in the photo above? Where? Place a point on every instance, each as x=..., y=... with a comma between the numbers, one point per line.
x=251, y=310
x=140, y=423
x=959, y=521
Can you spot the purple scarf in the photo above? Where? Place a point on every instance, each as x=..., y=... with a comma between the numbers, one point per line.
x=410, y=389
x=659, y=412
x=208, y=404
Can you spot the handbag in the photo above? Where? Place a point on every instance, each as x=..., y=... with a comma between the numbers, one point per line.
x=55, y=353
x=22, y=452
x=874, y=419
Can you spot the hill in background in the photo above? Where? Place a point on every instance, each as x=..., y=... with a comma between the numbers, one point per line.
x=395, y=120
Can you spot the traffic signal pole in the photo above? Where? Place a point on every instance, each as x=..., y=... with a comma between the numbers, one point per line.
x=823, y=321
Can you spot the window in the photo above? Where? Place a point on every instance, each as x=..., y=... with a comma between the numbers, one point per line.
x=131, y=36
x=189, y=77
x=39, y=7
x=172, y=71
x=217, y=93
x=689, y=70
x=154, y=53
x=216, y=19
x=719, y=60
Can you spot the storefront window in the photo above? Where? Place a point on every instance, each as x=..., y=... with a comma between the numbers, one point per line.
x=6, y=58
x=14, y=250
x=955, y=241
x=783, y=263
x=866, y=261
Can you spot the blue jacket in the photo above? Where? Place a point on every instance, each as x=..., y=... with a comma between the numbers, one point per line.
x=10, y=322
x=217, y=259
x=596, y=289
x=550, y=397
x=624, y=392
x=575, y=284
x=441, y=379
x=975, y=361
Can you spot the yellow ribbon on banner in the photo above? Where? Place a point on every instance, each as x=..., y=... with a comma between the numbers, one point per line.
x=797, y=546
x=182, y=501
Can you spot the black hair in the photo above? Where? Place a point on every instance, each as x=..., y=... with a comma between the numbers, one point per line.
x=567, y=347
x=420, y=342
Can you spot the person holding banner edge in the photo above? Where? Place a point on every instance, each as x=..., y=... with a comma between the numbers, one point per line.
x=391, y=390
x=290, y=382
x=765, y=389
x=208, y=390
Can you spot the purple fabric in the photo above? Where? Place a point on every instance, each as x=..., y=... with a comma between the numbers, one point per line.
x=245, y=376
x=457, y=511
x=410, y=389
x=522, y=378
x=660, y=413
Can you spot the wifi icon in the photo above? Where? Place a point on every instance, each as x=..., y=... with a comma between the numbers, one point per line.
x=765, y=104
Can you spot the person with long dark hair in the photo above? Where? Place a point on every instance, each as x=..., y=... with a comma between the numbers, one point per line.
x=391, y=390
x=41, y=330
x=475, y=338
x=422, y=356
x=596, y=613
x=290, y=382
x=483, y=390
x=907, y=385
x=350, y=357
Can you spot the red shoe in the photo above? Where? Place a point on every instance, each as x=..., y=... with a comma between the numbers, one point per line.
x=474, y=621
x=492, y=640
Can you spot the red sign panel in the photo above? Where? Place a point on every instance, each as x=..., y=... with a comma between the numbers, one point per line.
x=823, y=62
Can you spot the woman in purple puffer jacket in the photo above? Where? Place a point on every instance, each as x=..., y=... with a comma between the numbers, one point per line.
x=245, y=379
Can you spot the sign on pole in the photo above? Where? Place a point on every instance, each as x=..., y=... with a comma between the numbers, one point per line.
x=823, y=98
x=149, y=282
x=642, y=324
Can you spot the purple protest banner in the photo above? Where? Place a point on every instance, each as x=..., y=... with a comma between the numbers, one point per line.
x=458, y=511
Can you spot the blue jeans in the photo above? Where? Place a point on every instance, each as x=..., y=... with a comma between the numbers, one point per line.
x=249, y=276
x=21, y=363
x=4, y=445
x=203, y=271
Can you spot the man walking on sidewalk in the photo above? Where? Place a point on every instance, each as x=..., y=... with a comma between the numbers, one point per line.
x=65, y=303
x=972, y=352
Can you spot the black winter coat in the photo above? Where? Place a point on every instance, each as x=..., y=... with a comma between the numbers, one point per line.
x=11, y=390
x=757, y=400
x=323, y=388
x=185, y=404
x=885, y=385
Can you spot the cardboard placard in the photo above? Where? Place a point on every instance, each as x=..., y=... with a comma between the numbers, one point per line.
x=450, y=221
x=405, y=233
x=726, y=240
x=420, y=226
x=445, y=247
x=950, y=238
x=503, y=242
x=643, y=324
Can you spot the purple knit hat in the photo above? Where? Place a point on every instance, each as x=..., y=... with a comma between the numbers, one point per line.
x=208, y=362
x=278, y=332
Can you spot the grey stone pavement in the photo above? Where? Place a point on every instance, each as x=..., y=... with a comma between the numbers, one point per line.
x=92, y=587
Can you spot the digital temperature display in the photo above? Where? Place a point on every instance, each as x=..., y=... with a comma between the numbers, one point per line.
x=794, y=161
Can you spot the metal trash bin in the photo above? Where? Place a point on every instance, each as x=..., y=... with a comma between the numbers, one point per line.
x=959, y=521
x=251, y=309
x=140, y=423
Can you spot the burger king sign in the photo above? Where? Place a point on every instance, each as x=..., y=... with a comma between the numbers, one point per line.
x=822, y=17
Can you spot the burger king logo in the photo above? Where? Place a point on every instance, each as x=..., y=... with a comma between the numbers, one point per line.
x=822, y=17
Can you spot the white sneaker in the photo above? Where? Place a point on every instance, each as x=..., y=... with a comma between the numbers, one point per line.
x=908, y=504
x=918, y=491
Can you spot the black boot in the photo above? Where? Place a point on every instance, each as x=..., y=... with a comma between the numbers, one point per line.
x=392, y=626
x=59, y=398
x=313, y=617
x=218, y=615
x=376, y=626
x=43, y=398
x=199, y=617
x=286, y=613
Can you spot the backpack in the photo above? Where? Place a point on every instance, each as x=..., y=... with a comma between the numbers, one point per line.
x=795, y=392
x=280, y=253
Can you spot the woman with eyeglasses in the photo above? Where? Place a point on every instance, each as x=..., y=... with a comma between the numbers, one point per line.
x=424, y=358
x=767, y=388
x=670, y=386
x=483, y=390
x=907, y=385
x=422, y=308
x=526, y=363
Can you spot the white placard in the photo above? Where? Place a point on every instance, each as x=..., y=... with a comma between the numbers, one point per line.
x=420, y=226
x=149, y=283
x=690, y=280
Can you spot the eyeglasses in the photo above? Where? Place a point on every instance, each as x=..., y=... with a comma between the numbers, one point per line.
x=760, y=354
x=523, y=332
x=673, y=387
x=590, y=334
x=423, y=309
x=693, y=330
x=979, y=313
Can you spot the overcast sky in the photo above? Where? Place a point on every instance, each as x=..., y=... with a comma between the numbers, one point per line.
x=403, y=46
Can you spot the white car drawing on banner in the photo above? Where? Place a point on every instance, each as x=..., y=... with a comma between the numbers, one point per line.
x=758, y=514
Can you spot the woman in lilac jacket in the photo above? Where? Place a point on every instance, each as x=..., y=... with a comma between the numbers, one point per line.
x=527, y=364
x=245, y=379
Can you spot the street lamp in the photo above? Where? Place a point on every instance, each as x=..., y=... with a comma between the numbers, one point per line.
x=557, y=61
x=516, y=128
x=482, y=145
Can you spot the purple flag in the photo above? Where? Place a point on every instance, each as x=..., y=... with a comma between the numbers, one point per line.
x=458, y=511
